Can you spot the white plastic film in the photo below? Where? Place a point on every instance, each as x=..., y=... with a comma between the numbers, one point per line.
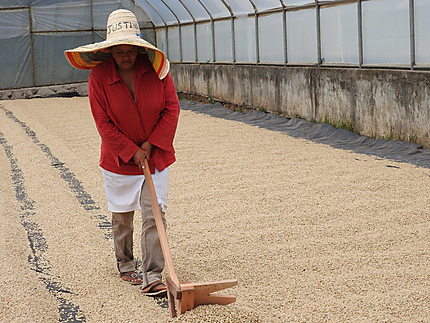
x=196, y=9
x=301, y=36
x=15, y=49
x=386, y=32
x=271, y=38
x=422, y=32
x=174, y=53
x=244, y=31
x=188, y=44
x=179, y=10
x=14, y=23
x=161, y=39
x=223, y=41
x=99, y=36
x=165, y=13
x=216, y=8
x=62, y=16
x=240, y=7
x=152, y=14
x=14, y=3
x=267, y=4
x=339, y=34
x=204, y=43
x=142, y=17
x=103, y=8
x=297, y=2
x=51, y=66
x=148, y=35
x=18, y=66
x=101, y=11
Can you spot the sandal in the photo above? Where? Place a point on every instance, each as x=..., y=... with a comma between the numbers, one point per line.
x=156, y=288
x=131, y=277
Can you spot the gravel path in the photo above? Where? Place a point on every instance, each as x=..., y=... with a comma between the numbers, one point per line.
x=312, y=233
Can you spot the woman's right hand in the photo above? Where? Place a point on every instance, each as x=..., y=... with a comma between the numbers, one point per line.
x=139, y=157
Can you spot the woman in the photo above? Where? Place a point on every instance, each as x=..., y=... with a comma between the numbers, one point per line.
x=135, y=108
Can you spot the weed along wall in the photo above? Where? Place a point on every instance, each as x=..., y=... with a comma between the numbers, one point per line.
x=391, y=104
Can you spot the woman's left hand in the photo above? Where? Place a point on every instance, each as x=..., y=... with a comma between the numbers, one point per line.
x=147, y=148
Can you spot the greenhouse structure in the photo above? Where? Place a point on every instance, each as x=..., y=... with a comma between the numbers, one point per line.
x=274, y=153
x=288, y=49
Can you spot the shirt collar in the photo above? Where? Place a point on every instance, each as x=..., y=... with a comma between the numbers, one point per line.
x=142, y=66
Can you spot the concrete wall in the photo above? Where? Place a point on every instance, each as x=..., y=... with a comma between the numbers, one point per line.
x=80, y=89
x=391, y=104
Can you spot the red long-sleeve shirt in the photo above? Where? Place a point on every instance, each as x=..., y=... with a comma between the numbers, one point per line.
x=124, y=124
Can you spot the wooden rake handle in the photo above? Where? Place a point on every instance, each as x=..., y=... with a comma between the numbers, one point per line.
x=159, y=224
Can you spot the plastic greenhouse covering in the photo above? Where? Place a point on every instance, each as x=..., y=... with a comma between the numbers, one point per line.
x=352, y=33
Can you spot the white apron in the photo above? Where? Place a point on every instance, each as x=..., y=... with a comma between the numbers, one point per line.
x=123, y=191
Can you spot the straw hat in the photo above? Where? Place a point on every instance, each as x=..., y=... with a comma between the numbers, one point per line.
x=122, y=29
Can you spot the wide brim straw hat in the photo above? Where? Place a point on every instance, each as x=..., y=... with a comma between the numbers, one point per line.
x=122, y=29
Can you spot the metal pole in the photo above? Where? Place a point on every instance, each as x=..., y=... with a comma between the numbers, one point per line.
x=233, y=40
x=165, y=26
x=195, y=30
x=33, y=63
x=213, y=41
x=412, y=32
x=284, y=31
x=318, y=23
x=212, y=29
x=167, y=39
x=196, y=53
x=257, y=36
x=360, y=33
x=180, y=30
x=92, y=22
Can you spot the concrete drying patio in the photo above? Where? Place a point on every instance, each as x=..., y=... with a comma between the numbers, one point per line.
x=311, y=232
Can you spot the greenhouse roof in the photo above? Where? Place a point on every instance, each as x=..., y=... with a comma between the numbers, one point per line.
x=171, y=12
x=167, y=12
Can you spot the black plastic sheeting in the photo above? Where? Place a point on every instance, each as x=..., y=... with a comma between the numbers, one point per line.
x=399, y=151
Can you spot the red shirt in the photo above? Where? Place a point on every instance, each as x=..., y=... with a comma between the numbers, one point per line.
x=124, y=124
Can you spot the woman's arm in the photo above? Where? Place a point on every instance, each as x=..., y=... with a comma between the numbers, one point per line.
x=164, y=132
x=115, y=140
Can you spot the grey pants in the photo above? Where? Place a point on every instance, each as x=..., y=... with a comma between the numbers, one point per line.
x=152, y=255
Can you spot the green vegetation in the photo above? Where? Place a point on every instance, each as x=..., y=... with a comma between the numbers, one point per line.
x=262, y=109
x=209, y=88
x=413, y=138
x=341, y=125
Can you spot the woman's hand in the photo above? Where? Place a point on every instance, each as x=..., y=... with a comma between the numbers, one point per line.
x=139, y=157
x=147, y=148
x=143, y=153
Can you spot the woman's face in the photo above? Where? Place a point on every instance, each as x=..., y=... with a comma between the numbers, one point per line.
x=125, y=56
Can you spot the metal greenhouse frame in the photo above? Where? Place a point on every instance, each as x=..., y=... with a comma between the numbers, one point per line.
x=346, y=33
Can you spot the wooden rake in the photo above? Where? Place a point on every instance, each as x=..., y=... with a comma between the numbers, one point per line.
x=183, y=296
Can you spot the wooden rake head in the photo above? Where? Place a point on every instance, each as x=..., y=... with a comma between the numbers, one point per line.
x=183, y=296
x=188, y=295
